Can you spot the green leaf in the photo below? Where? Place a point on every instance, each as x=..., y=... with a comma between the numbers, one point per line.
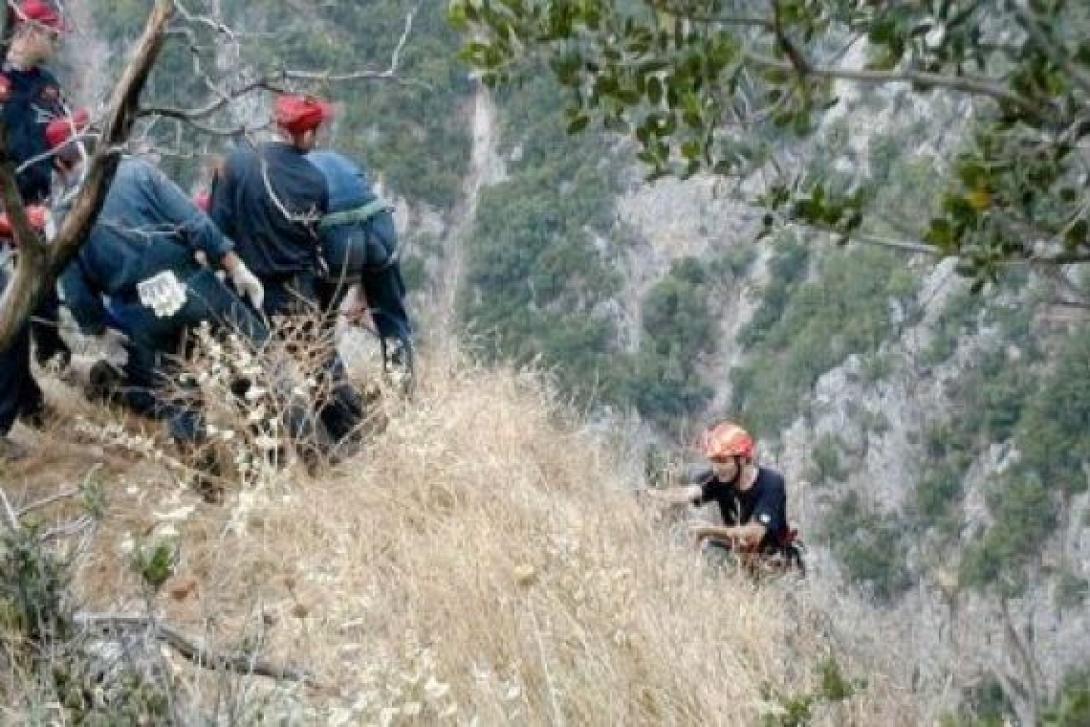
x=1076, y=235
x=654, y=90
x=578, y=124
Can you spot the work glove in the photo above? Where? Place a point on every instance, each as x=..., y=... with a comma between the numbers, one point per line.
x=247, y=285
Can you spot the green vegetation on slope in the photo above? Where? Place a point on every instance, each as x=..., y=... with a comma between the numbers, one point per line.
x=805, y=329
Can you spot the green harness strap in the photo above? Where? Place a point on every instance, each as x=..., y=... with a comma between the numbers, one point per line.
x=354, y=216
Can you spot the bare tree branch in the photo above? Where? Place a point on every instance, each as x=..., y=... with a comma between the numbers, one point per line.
x=193, y=651
x=966, y=84
x=278, y=82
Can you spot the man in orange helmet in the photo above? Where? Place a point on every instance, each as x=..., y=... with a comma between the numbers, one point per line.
x=752, y=499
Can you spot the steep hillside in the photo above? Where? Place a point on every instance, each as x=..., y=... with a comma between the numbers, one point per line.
x=901, y=405
x=484, y=558
x=482, y=561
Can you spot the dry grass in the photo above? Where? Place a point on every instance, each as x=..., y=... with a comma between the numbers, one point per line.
x=480, y=559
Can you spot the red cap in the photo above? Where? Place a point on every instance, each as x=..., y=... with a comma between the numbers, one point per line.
x=203, y=200
x=59, y=131
x=299, y=114
x=37, y=215
x=39, y=11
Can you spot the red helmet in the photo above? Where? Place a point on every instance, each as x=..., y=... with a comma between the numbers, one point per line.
x=299, y=114
x=37, y=214
x=726, y=440
x=39, y=11
x=59, y=131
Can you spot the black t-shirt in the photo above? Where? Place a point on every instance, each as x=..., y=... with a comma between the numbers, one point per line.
x=271, y=243
x=764, y=503
x=34, y=100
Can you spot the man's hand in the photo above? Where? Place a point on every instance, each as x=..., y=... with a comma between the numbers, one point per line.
x=246, y=283
x=355, y=310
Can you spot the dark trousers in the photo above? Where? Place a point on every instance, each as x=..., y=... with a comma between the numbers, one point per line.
x=298, y=295
x=45, y=329
x=151, y=386
x=19, y=392
x=367, y=254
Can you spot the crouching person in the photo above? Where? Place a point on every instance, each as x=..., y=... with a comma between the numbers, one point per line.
x=359, y=246
x=140, y=255
x=752, y=501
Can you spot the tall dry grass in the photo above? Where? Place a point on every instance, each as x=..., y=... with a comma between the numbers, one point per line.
x=481, y=560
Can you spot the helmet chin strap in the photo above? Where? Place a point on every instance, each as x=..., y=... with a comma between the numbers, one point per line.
x=740, y=472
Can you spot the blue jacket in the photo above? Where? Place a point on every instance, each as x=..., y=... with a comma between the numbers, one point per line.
x=147, y=225
x=349, y=187
x=352, y=248
x=35, y=99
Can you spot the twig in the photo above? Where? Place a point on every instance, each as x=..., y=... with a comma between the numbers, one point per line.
x=9, y=513
x=966, y=84
x=67, y=530
x=195, y=652
x=46, y=502
x=389, y=73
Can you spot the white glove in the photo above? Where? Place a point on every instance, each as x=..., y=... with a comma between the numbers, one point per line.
x=247, y=285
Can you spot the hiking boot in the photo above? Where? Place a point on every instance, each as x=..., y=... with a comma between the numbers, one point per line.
x=11, y=451
x=399, y=365
x=104, y=383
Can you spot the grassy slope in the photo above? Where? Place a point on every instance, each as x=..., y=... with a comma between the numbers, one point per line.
x=482, y=543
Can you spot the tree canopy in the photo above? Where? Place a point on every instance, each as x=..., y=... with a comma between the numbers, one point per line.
x=736, y=87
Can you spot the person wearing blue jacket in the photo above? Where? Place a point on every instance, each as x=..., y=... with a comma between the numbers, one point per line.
x=140, y=254
x=359, y=246
x=29, y=97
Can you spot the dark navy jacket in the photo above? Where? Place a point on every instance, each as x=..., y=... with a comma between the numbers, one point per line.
x=273, y=244
x=147, y=225
x=35, y=100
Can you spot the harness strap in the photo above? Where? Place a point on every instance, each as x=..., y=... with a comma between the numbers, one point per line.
x=354, y=216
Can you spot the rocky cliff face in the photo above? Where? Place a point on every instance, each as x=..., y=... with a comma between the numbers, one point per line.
x=939, y=637
x=943, y=639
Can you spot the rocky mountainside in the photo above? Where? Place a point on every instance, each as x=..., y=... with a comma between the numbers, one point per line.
x=931, y=437
x=867, y=373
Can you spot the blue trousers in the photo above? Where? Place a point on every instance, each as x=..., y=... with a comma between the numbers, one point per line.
x=19, y=392
x=154, y=347
x=366, y=254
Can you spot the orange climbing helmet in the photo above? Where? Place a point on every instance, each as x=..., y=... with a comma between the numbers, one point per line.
x=726, y=440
